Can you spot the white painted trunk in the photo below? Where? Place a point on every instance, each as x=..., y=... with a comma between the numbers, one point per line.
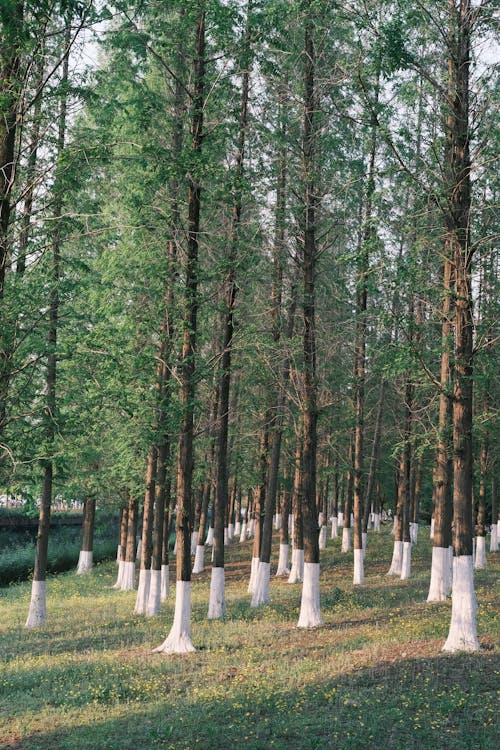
x=226, y=536
x=194, y=542
x=462, y=635
x=283, y=569
x=290, y=524
x=440, y=585
x=376, y=522
x=277, y=521
x=414, y=532
x=37, y=614
x=217, y=601
x=251, y=528
x=119, y=577
x=141, y=600
x=210, y=537
x=85, y=562
x=335, y=527
x=352, y=520
x=139, y=550
x=297, y=570
x=480, y=561
x=128, y=576
x=340, y=520
x=310, y=615
x=474, y=551
x=199, y=559
x=432, y=529
x=230, y=532
x=261, y=592
x=175, y=548
x=359, y=572
x=237, y=529
x=178, y=640
x=494, y=538
x=397, y=559
x=320, y=519
x=165, y=582
x=322, y=538
x=346, y=539
x=406, y=562
x=243, y=533
x=154, y=598
x=253, y=574
x=118, y=554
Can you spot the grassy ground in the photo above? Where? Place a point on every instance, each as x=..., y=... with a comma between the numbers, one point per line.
x=373, y=676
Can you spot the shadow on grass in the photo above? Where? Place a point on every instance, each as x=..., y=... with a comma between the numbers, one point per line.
x=445, y=702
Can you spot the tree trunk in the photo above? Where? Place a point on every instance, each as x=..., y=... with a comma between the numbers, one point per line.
x=128, y=576
x=85, y=560
x=310, y=603
x=37, y=611
x=463, y=627
x=179, y=638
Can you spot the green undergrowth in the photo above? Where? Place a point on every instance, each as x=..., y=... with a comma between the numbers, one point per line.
x=372, y=676
x=17, y=559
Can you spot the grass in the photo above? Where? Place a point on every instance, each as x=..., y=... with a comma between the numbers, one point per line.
x=373, y=676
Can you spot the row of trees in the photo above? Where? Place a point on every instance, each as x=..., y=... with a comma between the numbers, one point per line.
x=250, y=253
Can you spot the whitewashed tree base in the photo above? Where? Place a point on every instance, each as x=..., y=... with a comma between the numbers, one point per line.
x=217, y=600
x=277, y=522
x=414, y=532
x=376, y=522
x=85, y=562
x=141, y=600
x=154, y=598
x=251, y=528
x=297, y=569
x=283, y=569
x=310, y=614
x=37, y=614
x=346, y=539
x=243, y=532
x=128, y=576
x=406, y=562
x=237, y=529
x=440, y=585
x=165, y=582
x=210, y=537
x=261, y=592
x=119, y=554
x=139, y=550
x=199, y=559
x=194, y=542
x=335, y=527
x=290, y=525
x=480, y=561
x=494, y=538
x=320, y=519
x=230, y=532
x=178, y=640
x=253, y=574
x=119, y=577
x=322, y=538
x=462, y=635
x=226, y=536
x=359, y=572
x=431, y=532
x=397, y=560
x=340, y=519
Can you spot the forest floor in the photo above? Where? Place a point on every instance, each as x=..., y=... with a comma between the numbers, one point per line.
x=372, y=676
